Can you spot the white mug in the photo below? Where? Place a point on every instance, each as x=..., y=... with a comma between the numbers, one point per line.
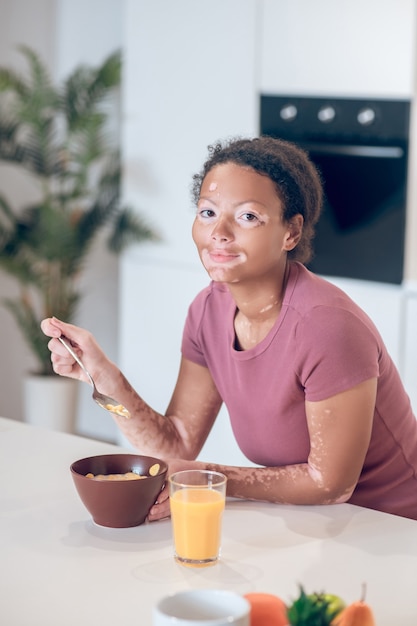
x=202, y=607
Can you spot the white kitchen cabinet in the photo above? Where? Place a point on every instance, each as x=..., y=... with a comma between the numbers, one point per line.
x=410, y=346
x=346, y=48
x=151, y=339
x=190, y=79
x=393, y=309
x=384, y=303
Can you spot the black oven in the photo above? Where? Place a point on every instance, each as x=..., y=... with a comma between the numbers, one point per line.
x=361, y=150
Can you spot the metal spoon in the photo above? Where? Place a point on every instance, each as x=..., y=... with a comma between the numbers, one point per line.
x=105, y=402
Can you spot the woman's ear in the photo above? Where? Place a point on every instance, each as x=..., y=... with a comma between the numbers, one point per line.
x=294, y=232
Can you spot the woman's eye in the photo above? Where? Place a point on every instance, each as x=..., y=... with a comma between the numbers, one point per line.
x=249, y=217
x=206, y=213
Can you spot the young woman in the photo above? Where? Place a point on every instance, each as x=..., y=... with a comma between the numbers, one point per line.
x=313, y=396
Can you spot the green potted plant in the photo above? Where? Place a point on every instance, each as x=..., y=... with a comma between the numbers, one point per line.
x=58, y=135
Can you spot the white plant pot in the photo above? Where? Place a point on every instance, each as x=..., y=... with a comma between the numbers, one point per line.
x=51, y=402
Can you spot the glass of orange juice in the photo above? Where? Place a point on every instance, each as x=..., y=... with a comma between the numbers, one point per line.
x=197, y=499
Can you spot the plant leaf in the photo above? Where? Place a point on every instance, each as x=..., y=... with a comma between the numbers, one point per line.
x=30, y=328
x=129, y=227
x=57, y=134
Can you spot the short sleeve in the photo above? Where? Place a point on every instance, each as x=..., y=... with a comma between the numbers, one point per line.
x=336, y=350
x=191, y=345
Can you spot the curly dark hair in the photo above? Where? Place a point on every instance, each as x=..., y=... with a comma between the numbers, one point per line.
x=296, y=179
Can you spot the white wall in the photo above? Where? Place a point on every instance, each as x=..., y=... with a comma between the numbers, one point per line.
x=65, y=33
x=87, y=32
x=36, y=30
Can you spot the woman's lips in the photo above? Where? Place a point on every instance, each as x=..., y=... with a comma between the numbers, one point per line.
x=221, y=256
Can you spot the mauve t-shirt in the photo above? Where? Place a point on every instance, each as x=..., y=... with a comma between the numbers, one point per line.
x=321, y=344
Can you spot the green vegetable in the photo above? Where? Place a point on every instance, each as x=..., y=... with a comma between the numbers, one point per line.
x=314, y=609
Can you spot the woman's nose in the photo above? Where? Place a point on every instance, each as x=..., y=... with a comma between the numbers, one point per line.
x=222, y=231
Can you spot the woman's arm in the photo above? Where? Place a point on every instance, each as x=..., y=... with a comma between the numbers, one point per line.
x=339, y=427
x=183, y=430
x=340, y=430
x=194, y=406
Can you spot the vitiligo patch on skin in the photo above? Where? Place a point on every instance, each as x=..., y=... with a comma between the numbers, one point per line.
x=268, y=307
x=315, y=475
x=213, y=187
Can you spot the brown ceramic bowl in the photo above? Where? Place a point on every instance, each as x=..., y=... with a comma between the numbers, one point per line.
x=118, y=503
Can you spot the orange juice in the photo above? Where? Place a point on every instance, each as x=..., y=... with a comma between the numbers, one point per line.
x=196, y=518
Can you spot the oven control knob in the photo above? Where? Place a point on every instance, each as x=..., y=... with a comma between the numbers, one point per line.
x=366, y=116
x=288, y=112
x=326, y=114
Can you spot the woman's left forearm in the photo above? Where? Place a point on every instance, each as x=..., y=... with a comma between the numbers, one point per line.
x=294, y=484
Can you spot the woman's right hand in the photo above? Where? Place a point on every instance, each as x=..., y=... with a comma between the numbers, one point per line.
x=84, y=345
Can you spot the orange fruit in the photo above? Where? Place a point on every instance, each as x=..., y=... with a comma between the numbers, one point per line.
x=266, y=609
x=355, y=614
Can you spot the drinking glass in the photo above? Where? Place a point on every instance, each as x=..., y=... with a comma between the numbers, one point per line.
x=197, y=499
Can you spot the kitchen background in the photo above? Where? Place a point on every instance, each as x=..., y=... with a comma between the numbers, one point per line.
x=193, y=73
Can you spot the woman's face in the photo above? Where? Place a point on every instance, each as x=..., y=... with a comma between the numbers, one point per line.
x=238, y=229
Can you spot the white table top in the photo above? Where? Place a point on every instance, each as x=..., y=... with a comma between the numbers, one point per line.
x=57, y=568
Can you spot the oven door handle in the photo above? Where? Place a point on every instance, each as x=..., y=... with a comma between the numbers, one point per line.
x=379, y=152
